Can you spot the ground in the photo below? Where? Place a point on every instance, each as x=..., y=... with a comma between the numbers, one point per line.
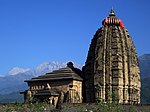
x=98, y=107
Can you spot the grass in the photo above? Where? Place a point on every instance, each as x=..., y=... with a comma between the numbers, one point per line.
x=99, y=107
x=17, y=107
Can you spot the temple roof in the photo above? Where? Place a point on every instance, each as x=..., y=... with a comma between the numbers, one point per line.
x=68, y=72
x=112, y=20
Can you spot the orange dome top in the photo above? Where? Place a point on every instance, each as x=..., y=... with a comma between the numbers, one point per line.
x=112, y=20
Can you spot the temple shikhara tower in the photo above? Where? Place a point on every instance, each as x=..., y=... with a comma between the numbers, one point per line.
x=111, y=72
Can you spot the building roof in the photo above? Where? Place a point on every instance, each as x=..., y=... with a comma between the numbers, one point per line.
x=61, y=74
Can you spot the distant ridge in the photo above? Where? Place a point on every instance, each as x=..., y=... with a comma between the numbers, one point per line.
x=40, y=69
x=145, y=57
x=144, y=62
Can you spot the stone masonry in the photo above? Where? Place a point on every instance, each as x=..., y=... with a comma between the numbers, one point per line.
x=111, y=72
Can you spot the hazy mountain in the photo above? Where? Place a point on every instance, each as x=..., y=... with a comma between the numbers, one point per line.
x=48, y=67
x=17, y=70
x=40, y=69
x=144, y=62
x=145, y=90
x=11, y=83
x=11, y=97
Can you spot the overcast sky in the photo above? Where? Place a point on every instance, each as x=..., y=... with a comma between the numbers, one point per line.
x=37, y=31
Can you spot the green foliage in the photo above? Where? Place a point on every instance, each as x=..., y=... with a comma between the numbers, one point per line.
x=114, y=96
x=93, y=107
x=17, y=107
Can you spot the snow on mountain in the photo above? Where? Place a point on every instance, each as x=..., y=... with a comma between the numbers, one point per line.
x=48, y=67
x=17, y=70
x=41, y=69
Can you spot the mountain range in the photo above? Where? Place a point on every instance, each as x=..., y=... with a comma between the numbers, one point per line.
x=13, y=82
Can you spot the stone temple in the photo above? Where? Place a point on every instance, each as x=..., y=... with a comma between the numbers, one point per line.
x=111, y=72
x=58, y=86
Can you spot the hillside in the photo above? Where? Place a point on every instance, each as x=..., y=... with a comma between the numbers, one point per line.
x=145, y=91
x=144, y=62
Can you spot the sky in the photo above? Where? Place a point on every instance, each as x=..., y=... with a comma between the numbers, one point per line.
x=37, y=31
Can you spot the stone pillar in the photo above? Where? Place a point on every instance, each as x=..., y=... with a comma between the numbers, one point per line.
x=28, y=96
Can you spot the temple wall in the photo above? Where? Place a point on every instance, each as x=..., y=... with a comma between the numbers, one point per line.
x=71, y=88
